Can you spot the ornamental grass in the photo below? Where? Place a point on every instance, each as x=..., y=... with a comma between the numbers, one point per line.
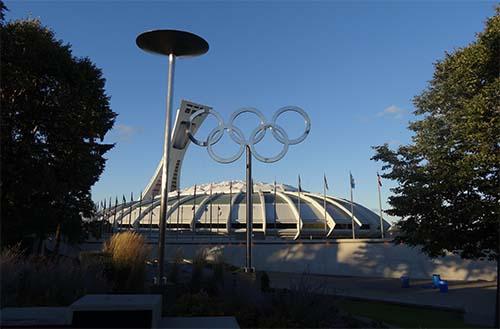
x=128, y=252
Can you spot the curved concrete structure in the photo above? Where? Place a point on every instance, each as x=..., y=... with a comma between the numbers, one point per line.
x=276, y=213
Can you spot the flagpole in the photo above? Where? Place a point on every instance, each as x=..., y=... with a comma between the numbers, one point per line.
x=352, y=208
x=230, y=206
x=130, y=212
x=274, y=205
x=194, y=209
x=102, y=219
x=300, y=188
x=114, y=215
x=178, y=213
x=122, y=211
x=380, y=206
x=140, y=213
x=218, y=214
x=324, y=203
x=151, y=216
x=108, y=220
x=211, y=210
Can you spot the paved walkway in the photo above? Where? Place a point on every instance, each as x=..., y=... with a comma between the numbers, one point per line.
x=476, y=299
x=219, y=322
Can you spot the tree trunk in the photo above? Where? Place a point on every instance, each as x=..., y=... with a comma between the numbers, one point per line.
x=40, y=245
x=497, y=322
x=58, y=239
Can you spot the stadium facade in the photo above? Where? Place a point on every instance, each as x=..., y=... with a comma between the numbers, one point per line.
x=219, y=209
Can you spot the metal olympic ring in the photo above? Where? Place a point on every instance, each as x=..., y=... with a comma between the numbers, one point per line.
x=256, y=136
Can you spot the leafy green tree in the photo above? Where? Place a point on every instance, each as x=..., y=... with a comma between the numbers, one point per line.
x=55, y=113
x=448, y=177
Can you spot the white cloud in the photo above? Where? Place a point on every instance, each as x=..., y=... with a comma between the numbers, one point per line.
x=124, y=133
x=392, y=111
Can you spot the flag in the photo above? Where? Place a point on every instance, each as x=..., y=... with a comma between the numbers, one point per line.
x=379, y=179
x=325, y=181
x=131, y=196
x=194, y=199
x=353, y=185
x=124, y=200
x=300, y=185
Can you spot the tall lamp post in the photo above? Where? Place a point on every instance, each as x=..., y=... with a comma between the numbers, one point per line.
x=173, y=44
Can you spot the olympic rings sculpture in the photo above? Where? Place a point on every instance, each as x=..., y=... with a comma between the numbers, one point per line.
x=256, y=136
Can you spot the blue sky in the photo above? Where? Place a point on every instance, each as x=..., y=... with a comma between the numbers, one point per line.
x=353, y=66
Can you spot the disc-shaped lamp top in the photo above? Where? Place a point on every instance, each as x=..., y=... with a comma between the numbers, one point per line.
x=166, y=42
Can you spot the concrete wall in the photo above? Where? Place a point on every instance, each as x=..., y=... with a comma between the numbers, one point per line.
x=350, y=258
x=371, y=258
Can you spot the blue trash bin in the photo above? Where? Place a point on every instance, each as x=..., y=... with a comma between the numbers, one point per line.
x=443, y=286
x=405, y=281
x=435, y=280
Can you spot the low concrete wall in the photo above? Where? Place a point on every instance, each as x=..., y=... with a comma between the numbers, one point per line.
x=350, y=258
x=370, y=258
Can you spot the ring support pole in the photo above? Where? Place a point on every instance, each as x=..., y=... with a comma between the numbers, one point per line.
x=247, y=144
x=249, y=209
x=166, y=161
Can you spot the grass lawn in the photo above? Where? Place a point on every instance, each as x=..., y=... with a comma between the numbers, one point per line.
x=404, y=316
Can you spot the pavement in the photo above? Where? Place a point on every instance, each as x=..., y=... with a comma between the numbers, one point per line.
x=228, y=322
x=475, y=298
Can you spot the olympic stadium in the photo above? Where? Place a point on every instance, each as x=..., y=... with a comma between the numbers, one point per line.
x=219, y=209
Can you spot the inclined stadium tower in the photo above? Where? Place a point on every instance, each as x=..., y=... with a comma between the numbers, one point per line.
x=219, y=209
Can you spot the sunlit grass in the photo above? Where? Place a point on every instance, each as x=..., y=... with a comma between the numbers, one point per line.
x=129, y=253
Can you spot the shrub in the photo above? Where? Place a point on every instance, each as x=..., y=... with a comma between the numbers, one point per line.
x=218, y=267
x=264, y=282
x=43, y=281
x=199, y=263
x=198, y=304
x=173, y=274
x=128, y=252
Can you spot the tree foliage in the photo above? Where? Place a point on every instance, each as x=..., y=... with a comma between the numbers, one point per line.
x=55, y=114
x=448, y=177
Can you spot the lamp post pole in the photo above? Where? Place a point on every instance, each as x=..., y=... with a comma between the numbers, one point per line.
x=171, y=43
x=166, y=162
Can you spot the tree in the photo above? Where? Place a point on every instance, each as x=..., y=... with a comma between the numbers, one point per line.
x=55, y=114
x=448, y=191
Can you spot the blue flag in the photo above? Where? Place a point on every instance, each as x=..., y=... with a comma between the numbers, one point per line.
x=353, y=185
